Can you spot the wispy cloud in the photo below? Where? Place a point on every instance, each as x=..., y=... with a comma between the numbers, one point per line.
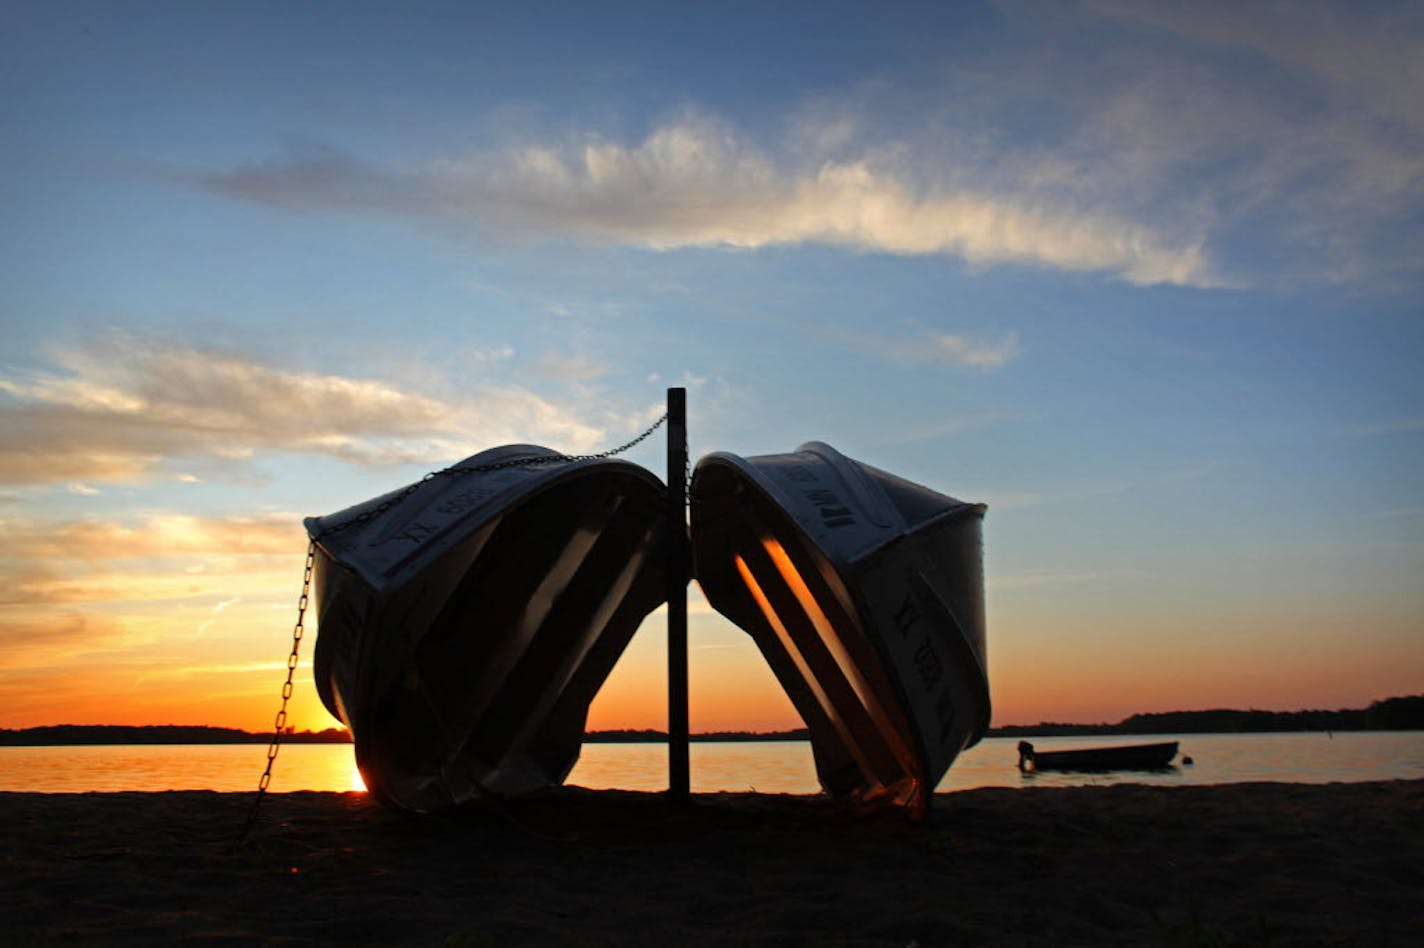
x=975, y=351
x=209, y=670
x=73, y=589
x=41, y=585
x=697, y=183
x=47, y=641
x=1393, y=426
x=1197, y=470
x=1023, y=500
x=935, y=430
x=574, y=368
x=1373, y=51
x=978, y=352
x=1044, y=578
x=157, y=535
x=116, y=409
x=1293, y=135
x=1398, y=513
x=488, y=355
x=1200, y=144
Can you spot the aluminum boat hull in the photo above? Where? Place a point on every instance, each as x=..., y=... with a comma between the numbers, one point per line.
x=865, y=594
x=465, y=629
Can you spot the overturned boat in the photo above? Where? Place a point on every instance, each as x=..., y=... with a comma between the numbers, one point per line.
x=865, y=594
x=1114, y=757
x=468, y=621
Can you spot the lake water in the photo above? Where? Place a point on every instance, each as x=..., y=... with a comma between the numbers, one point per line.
x=770, y=767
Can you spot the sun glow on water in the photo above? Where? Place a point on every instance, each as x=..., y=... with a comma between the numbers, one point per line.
x=767, y=767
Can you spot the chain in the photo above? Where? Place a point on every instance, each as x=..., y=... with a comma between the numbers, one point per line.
x=279, y=725
x=687, y=482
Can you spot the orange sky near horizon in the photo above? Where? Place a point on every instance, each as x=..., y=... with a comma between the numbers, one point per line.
x=181, y=619
x=209, y=676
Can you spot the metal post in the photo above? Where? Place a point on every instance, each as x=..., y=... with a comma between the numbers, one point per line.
x=678, y=574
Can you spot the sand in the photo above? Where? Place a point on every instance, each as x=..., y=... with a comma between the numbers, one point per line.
x=1278, y=864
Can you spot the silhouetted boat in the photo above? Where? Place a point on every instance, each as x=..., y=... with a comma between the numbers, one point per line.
x=1122, y=757
x=865, y=593
x=467, y=622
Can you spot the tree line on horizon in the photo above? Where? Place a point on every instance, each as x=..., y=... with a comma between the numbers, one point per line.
x=1389, y=714
x=74, y=734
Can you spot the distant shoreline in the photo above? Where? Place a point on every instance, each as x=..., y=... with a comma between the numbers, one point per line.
x=1390, y=714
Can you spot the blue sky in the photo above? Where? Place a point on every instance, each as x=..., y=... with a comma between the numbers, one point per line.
x=1145, y=277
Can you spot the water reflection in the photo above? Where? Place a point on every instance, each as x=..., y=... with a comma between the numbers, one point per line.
x=778, y=767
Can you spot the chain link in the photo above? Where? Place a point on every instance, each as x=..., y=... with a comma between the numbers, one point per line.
x=279, y=725
x=687, y=482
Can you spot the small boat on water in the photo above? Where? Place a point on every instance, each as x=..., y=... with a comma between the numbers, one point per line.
x=468, y=621
x=865, y=594
x=1121, y=757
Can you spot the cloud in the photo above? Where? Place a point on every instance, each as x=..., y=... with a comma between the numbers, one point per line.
x=1003, y=500
x=1394, y=426
x=570, y=368
x=1040, y=578
x=1203, y=144
x=943, y=428
x=116, y=409
x=970, y=352
x=1292, y=135
x=952, y=350
x=80, y=597
x=207, y=671
x=159, y=535
x=1372, y=51
x=1398, y=513
x=72, y=590
x=46, y=641
x=481, y=355
x=697, y=183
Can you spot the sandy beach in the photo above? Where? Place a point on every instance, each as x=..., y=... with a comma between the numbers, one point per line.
x=1248, y=864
